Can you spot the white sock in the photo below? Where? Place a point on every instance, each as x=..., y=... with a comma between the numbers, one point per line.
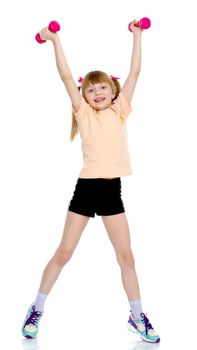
x=40, y=301
x=136, y=308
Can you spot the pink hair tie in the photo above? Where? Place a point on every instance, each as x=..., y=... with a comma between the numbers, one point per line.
x=113, y=77
x=80, y=80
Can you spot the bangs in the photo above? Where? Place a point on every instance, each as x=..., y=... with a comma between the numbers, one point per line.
x=95, y=77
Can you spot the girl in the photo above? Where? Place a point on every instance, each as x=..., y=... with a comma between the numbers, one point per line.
x=100, y=116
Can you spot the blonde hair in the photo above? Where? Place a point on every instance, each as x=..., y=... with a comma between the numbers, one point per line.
x=94, y=77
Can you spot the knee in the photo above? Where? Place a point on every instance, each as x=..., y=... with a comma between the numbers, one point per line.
x=62, y=256
x=126, y=260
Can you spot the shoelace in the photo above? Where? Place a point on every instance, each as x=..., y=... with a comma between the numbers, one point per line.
x=146, y=322
x=34, y=316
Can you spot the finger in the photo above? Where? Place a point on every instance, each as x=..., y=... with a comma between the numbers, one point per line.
x=134, y=22
x=42, y=34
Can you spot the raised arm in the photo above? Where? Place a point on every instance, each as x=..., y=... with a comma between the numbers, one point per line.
x=63, y=68
x=130, y=83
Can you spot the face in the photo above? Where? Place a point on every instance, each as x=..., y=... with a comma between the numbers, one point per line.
x=100, y=95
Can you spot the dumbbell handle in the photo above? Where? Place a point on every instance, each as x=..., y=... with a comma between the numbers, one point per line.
x=144, y=23
x=53, y=27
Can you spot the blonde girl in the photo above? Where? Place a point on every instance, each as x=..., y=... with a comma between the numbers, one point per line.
x=100, y=112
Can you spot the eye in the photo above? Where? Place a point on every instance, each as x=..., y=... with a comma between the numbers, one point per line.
x=103, y=87
x=90, y=90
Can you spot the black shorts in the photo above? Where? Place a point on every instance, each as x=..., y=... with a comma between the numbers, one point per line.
x=97, y=196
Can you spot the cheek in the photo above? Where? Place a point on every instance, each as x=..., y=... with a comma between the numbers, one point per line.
x=88, y=98
x=91, y=100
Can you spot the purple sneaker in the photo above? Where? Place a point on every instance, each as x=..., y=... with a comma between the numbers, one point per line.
x=30, y=325
x=143, y=328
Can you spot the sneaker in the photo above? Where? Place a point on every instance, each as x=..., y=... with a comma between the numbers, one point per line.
x=143, y=328
x=30, y=325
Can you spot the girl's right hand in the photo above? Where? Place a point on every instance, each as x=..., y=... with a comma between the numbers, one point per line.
x=46, y=34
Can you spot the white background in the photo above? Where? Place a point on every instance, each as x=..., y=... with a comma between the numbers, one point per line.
x=87, y=307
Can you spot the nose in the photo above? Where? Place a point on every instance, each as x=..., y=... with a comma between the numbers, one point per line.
x=97, y=91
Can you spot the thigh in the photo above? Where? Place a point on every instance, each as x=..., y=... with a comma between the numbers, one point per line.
x=73, y=228
x=118, y=231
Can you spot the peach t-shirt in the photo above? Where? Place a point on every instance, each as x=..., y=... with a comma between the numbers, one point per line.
x=104, y=139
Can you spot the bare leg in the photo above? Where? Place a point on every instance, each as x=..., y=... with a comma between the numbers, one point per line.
x=74, y=226
x=119, y=235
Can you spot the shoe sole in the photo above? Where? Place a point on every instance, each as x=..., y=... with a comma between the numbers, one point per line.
x=29, y=336
x=133, y=330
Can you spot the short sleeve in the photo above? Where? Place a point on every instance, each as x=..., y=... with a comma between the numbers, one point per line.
x=121, y=105
x=84, y=106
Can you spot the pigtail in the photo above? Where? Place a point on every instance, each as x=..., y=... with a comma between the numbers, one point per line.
x=117, y=88
x=74, y=125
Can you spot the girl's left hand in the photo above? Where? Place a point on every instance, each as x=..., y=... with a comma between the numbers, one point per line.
x=134, y=28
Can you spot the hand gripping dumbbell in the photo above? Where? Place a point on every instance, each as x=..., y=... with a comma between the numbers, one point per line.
x=144, y=23
x=53, y=27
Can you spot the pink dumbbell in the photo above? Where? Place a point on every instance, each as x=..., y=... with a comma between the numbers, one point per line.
x=144, y=23
x=53, y=27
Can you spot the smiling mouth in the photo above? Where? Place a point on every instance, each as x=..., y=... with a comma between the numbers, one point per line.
x=100, y=99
